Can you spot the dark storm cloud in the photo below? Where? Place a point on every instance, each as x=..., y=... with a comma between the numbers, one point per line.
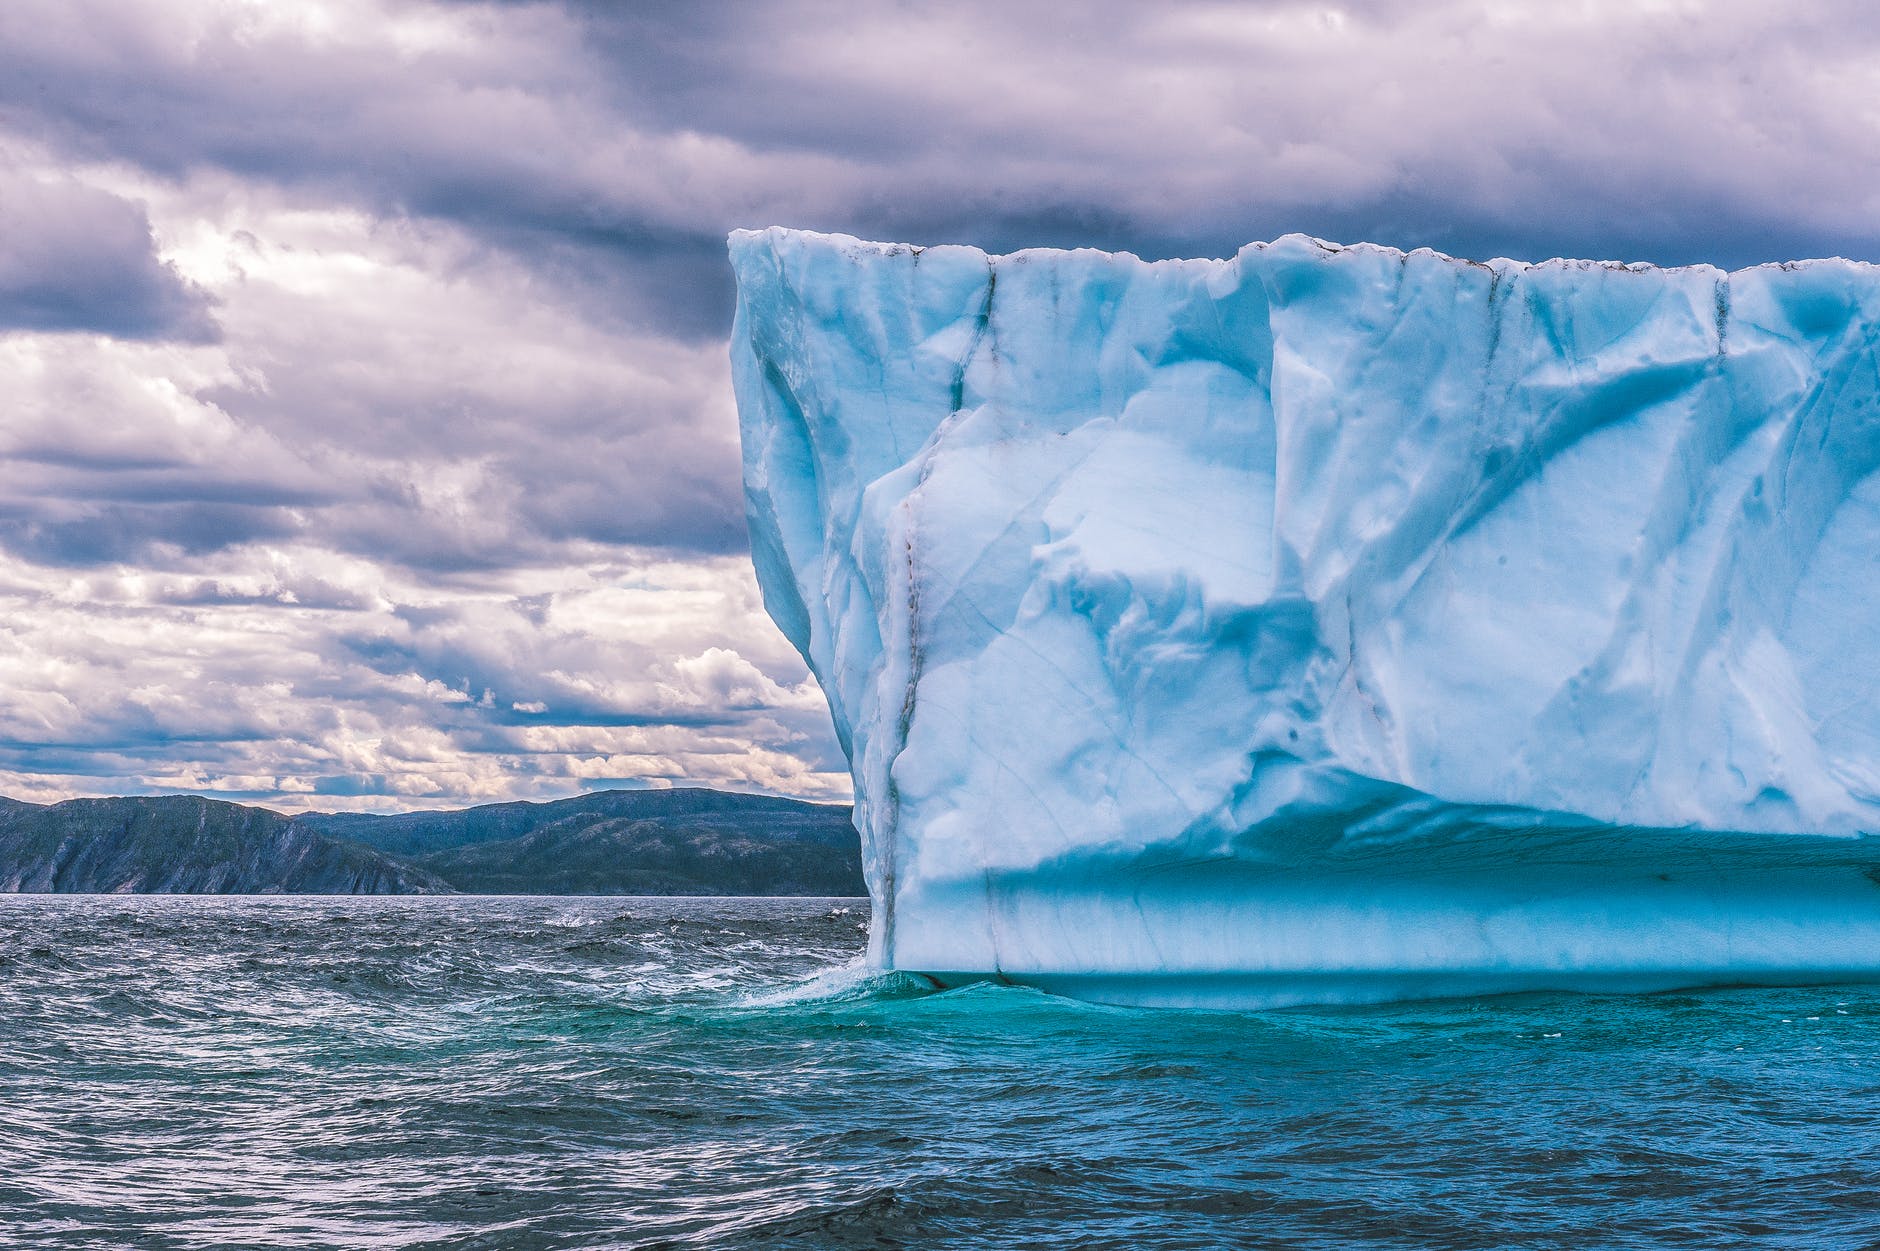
x=514, y=142
x=1671, y=132
x=114, y=534
x=613, y=145
x=76, y=258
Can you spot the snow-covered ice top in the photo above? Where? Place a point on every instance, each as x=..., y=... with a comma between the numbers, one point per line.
x=1114, y=570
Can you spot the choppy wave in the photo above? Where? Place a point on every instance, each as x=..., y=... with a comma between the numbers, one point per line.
x=552, y=1073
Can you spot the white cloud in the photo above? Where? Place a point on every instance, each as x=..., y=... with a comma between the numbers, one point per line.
x=114, y=687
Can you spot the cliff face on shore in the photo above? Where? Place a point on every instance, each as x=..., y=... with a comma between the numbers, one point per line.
x=182, y=844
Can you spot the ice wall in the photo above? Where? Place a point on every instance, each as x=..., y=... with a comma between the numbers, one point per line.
x=1331, y=622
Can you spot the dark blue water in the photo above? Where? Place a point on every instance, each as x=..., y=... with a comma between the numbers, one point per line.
x=521, y=1073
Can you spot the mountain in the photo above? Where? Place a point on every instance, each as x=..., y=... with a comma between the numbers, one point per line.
x=688, y=841
x=182, y=844
x=683, y=841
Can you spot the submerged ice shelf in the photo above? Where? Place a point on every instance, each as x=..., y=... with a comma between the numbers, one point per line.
x=1331, y=623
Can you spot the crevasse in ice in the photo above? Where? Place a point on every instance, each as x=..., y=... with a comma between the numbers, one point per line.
x=1331, y=623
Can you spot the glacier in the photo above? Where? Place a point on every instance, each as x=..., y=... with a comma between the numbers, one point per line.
x=1331, y=623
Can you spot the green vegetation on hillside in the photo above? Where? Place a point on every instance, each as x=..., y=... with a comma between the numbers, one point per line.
x=183, y=844
x=689, y=841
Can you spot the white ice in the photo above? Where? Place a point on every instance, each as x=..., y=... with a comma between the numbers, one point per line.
x=1332, y=623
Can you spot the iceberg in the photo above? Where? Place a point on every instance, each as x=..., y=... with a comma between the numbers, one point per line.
x=1331, y=624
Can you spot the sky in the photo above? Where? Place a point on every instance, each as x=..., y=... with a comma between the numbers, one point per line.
x=366, y=434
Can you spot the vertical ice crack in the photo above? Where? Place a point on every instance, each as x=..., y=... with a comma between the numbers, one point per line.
x=981, y=325
x=890, y=846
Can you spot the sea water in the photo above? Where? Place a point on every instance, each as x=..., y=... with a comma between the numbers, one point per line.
x=187, y=1072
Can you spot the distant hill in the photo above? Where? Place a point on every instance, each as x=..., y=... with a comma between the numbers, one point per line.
x=683, y=841
x=181, y=844
x=689, y=841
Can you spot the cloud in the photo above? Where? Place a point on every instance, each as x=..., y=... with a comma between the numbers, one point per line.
x=389, y=391
x=366, y=436
x=1666, y=131
x=75, y=258
x=611, y=146
x=303, y=679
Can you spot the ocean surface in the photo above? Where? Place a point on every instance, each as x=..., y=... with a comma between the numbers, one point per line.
x=188, y=1072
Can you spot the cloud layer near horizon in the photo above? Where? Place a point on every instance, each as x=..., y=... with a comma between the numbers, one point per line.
x=367, y=440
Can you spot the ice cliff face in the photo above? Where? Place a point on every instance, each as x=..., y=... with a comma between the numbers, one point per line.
x=1331, y=622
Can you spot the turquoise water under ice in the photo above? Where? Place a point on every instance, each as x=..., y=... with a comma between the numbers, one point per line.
x=518, y=1073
